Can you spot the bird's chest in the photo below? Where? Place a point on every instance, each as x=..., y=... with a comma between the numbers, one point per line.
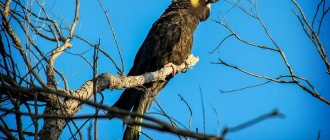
x=182, y=49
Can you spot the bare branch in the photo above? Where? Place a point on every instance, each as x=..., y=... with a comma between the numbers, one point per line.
x=314, y=36
x=106, y=81
x=227, y=26
x=113, y=82
x=95, y=69
x=190, y=111
x=7, y=8
x=101, y=50
x=303, y=83
x=18, y=46
x=76, y=19
x=7, y=133
x=167, y=116
x=203, y=109
x=257, y=120
x=223, y=40
x=114, y=37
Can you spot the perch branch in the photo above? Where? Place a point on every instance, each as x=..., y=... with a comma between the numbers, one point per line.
x=106, y=81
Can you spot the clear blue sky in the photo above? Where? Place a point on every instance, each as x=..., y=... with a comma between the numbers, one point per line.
x=305, y=115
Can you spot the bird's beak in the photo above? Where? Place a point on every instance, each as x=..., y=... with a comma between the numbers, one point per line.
x=213, y=1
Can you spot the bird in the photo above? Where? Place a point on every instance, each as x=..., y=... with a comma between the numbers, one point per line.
x=169, y=41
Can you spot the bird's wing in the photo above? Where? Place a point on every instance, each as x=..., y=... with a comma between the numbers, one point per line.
x=159, y=43
x=161, y=39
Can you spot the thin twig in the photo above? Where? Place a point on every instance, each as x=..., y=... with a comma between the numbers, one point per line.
x=95, y=69
x=190, y=111
x=250, y=123
x=114, y=37
x=167, y=116
x=203, y=108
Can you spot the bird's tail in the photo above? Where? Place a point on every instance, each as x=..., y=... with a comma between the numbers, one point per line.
x=128, y=99
x=142, y=104
x=137, y=101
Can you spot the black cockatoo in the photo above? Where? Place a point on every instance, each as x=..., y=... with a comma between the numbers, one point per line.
x=169, y=41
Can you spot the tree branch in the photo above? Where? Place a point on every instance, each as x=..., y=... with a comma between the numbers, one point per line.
x=53, y=128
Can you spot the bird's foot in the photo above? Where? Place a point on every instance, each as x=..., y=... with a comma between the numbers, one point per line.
x=175, y=71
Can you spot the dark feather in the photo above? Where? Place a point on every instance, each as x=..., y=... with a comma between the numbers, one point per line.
x=168, y=41
x=155, y=52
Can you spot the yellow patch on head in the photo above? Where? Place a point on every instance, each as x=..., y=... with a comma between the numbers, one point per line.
x=194, y=3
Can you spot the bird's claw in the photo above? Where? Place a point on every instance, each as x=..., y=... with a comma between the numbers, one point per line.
x=175, y=71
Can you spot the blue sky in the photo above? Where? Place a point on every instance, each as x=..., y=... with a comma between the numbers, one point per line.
x=304, y=115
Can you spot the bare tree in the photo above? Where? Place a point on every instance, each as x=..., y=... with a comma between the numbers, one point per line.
x=29, y=82
x=36, y=85
x=312, y=30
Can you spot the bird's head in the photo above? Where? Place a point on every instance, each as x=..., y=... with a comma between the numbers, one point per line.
x=199, y=8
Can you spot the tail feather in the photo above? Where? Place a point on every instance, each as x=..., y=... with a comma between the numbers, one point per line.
x=128, y=99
